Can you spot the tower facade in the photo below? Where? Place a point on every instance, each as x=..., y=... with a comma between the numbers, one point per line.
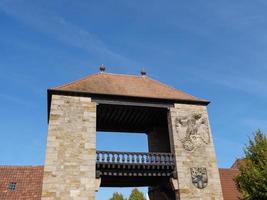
x=180, y=163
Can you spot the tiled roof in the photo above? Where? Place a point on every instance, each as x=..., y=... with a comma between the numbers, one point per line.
x=126, y=85
x=229, y=188
x=28, y=181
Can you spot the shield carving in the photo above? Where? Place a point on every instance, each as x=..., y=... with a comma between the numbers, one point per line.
x=199, y=177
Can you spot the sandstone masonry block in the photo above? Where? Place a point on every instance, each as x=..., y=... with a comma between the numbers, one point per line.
x=186, y=158
x=71, y=149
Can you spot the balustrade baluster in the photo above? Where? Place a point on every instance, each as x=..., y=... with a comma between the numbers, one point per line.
x=161, y=157
x=113, y=157
x=137, y=158
x=102, y=157
x=123, y=157
x=168, y=159
x=128, y=157
x=133, y=158
x=119, y=157
x=97, y=156
x=142, y=158
x=172, y=159
x=149, y=158
x=108, y=157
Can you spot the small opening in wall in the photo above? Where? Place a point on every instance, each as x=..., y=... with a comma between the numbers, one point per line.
x=12, y=186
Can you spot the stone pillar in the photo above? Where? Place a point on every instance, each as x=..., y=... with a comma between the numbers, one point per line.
x=69, y=171
x=191, y=142
x=158, y=140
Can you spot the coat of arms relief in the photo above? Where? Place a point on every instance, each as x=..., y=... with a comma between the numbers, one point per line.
x=193, y=131
x=199, y=177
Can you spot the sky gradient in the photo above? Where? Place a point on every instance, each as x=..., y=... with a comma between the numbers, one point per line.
x=216, y=50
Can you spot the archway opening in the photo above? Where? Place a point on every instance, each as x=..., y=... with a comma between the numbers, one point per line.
x=133, y=149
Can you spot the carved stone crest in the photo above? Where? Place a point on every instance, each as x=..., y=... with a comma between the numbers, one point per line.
x=193, y=131
x=199, y=177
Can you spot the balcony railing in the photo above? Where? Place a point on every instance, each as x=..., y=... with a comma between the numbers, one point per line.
x=113, y=157
x=113, y=163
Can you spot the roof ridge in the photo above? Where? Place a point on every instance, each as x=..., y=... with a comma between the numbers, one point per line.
x=115, y=74
x=90, y=75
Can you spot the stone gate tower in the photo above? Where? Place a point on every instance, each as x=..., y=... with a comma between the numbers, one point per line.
x=181, y=161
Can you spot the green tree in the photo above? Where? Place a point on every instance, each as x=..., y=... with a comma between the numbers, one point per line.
x=252, y=178
x=136, y=195
x=117, y=196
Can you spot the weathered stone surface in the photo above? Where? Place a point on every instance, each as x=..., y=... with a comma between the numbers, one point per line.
x=69, y=171
x=193, y=129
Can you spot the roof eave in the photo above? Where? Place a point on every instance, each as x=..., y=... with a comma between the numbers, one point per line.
x=52, y=91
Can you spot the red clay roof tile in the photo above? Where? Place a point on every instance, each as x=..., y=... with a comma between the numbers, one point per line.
x=229, y=188
x=126, y=85
x=28, y=181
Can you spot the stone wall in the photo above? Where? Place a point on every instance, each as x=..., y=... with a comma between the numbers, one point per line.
x=69, y=171
x=191, y=142
x=158, y=140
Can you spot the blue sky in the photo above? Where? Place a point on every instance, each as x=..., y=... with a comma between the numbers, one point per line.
x=212, y=49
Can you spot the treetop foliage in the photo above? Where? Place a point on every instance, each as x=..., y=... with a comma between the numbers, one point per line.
x=117, y=196
x=252, y=178
x=136, y=195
